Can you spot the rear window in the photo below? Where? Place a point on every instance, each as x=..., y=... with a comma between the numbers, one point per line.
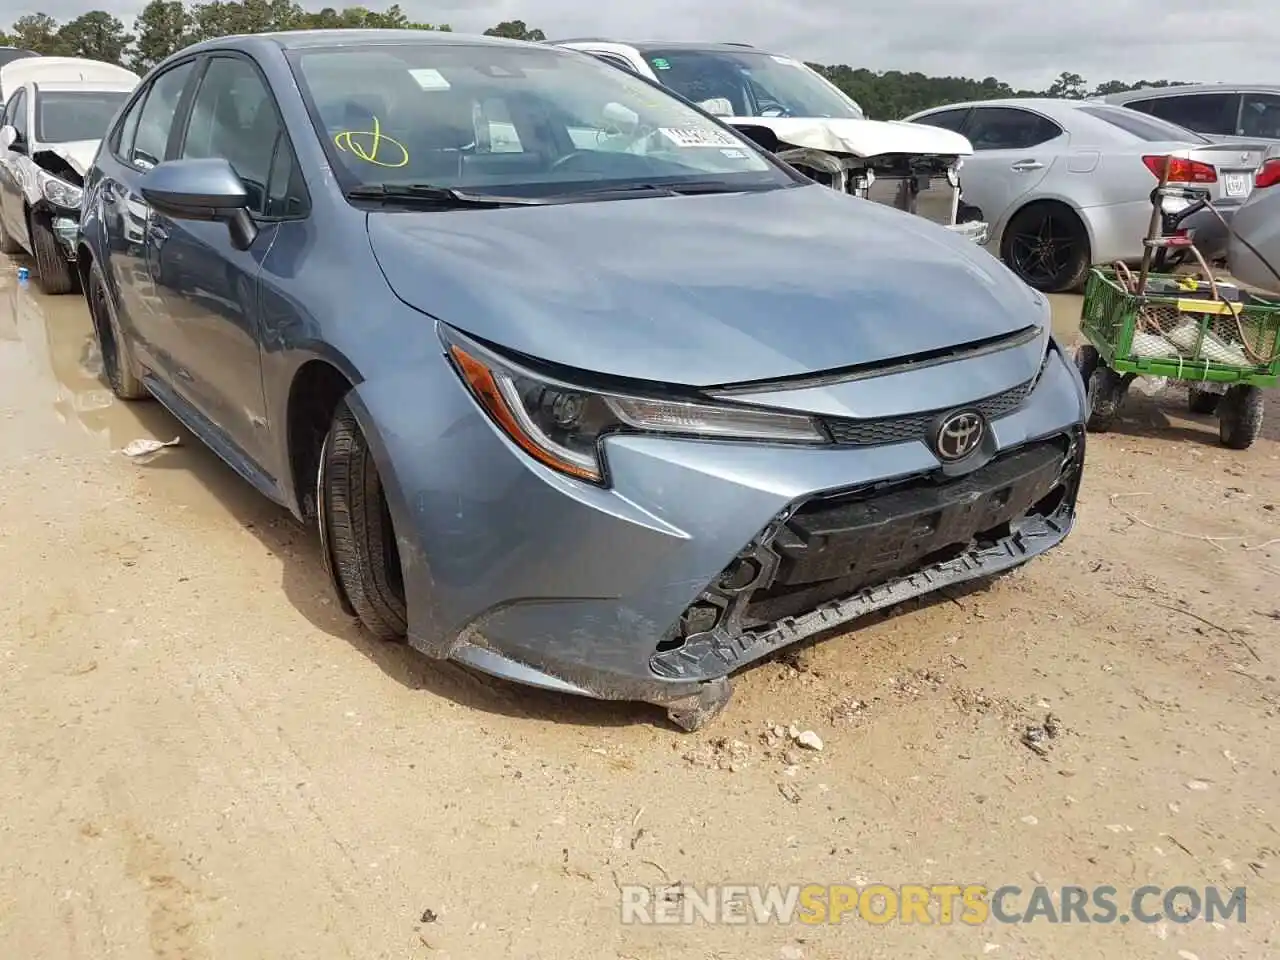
x=1151, y=129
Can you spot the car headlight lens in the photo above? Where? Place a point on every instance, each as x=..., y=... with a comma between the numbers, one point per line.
x=59, y=192
x=561, y=425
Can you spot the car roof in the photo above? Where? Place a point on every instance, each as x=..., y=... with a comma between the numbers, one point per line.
x=1188, y=88
x=648, y=45
x=312, y=39
x=74, y=71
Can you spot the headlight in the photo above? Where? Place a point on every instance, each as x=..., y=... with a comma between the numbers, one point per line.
x=562, y=425
x=59, y=192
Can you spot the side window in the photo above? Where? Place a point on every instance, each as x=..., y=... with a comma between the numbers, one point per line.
x=1260, y=116
x=1213, y=113
x=156, y=118
x=19, y=106
x=951, y=120
x=7, y=118
x=1008, y=128
x=121, y=141
x=233, y=116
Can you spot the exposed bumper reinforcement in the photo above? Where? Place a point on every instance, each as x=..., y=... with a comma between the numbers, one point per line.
x=707, y=656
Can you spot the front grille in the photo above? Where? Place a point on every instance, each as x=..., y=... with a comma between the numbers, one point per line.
x=915, y=426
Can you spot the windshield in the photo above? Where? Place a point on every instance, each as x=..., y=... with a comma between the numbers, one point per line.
x=483, y=118
x=750, y=84
x=65, y=116
x=1150, y=129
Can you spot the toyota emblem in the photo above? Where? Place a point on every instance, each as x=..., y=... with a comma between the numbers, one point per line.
x=959, y=435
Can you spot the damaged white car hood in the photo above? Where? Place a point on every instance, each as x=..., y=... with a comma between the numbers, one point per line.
x=78, y=153
x=862, y=138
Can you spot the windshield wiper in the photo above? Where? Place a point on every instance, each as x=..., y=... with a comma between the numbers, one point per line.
x=679, y=189
x=441, y=196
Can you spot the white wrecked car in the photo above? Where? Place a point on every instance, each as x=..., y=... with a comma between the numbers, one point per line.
x=793, y=111
x=57, y=110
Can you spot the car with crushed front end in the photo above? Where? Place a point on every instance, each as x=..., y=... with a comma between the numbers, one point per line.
x=56, y=114
x=615, y=410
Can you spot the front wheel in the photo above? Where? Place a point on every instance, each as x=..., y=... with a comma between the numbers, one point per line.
x=358, y=531
x=1106, y=392
x=1047, y=246
x=56, y=274
x=1240, y=417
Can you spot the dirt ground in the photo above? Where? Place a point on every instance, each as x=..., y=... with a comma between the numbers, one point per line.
x=201, y=757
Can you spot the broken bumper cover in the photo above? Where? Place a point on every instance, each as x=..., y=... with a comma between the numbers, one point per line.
x=528, y=575
x=975, y=230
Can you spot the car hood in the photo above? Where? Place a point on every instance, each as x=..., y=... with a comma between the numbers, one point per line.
x=862, y=138
x=702, y=290
x=78, y=153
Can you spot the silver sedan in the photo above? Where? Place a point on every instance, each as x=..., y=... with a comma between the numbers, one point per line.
x=1066, y=184
x=1253, y=252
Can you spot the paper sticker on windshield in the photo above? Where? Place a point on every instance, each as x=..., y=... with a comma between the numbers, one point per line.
x=697, y=137
x=429, y=79
x=660, y=64
x=735, y=154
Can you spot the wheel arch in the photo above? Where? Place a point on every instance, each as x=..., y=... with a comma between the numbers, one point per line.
x=1048, y=200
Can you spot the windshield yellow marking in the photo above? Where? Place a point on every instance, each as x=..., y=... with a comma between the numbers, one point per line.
x=367, y=144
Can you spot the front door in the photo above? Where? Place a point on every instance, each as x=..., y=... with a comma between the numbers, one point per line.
x=208, y=289
x=1013, y=150
x=11, y=174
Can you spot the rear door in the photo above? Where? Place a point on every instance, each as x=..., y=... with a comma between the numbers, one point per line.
x=1013, y=149
x=139, y=142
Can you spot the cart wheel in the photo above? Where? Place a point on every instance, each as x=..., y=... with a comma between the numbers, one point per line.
x=1106, y=391
x=1240, y=417
x=1202, y=401
x=1087, y=359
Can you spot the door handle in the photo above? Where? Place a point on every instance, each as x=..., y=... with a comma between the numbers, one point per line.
x=1024, y=165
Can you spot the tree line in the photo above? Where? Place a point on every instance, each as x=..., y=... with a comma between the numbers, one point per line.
x=166, y=26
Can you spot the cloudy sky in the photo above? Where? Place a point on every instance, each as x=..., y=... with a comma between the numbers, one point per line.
x=1023, y=42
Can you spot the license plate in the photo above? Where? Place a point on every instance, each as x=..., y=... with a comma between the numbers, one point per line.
x=1236, y=185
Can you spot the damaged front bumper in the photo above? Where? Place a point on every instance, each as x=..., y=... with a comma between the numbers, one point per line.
x=706, y=556
x=925, y=186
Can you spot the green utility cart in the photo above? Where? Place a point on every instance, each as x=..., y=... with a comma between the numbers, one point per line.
x=1222, y=341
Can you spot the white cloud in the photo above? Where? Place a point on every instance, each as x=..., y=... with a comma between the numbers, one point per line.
x=1023, y=43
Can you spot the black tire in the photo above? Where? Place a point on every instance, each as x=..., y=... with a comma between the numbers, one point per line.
x=1087, y=360
x=121, y=370
x=8, y=245
x=1106, y=391
x=1202, y=401
x=360, y=534
x=1240, y=417
x=57, y=276
x=1047, y=246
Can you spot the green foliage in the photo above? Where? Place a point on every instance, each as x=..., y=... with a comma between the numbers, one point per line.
x=515, y=30
x=891, y=94
x=166, y=26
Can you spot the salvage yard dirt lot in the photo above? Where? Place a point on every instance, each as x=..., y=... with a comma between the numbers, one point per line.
x=201, y=757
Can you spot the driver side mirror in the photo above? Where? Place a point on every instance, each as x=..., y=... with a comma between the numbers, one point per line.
x=10, y=139
x=205, y=189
